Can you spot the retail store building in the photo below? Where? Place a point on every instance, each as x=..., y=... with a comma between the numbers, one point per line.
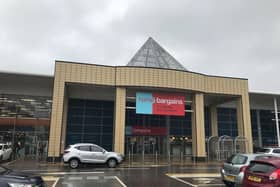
x=151, y=105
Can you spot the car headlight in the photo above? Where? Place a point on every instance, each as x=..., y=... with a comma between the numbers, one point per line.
x=21, y=185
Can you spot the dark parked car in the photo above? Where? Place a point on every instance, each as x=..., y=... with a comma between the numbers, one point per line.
x=21, y=179
x=263, y=173
x=4, y=184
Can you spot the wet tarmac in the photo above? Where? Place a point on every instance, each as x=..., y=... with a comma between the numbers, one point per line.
x=58, y=175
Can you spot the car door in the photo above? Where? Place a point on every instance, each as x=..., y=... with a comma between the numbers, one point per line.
x=85, y=154
x=99, y=154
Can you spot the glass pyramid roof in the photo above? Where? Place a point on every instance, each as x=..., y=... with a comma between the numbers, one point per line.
x=151, y=54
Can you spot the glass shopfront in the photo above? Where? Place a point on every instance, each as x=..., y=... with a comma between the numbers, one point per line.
x=24, y=124
x=90, y=121
x=155, y=138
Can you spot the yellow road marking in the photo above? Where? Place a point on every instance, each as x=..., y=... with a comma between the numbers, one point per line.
x=51, y=179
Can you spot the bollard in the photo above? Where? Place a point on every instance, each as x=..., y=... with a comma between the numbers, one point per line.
x=169, y=159
x=156, y=158
x=129, y=158
x=131, y=154
x=143, y=153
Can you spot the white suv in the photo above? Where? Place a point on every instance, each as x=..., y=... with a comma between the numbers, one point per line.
x=90, y=153
x=274, y=151
x=5, y=152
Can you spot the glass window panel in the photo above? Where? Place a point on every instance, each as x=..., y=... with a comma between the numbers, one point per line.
x=97, y=116
x=84, y=148
x=75, y=128
x=96, y=149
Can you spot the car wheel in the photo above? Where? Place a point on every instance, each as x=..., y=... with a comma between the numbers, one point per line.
x=74, y=163
x=112, y=163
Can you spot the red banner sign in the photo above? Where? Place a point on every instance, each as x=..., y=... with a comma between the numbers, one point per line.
x=154, y=131
x=168, y=104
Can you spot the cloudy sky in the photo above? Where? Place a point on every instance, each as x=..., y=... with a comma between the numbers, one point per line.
x=239, y=38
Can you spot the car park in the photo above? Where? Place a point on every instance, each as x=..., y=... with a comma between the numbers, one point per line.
x=87, y=153
x=232, y=171
x=263, y=173
x=12, y=178
x=5, y=152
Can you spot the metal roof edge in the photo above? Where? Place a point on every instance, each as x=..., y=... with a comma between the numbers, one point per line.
x=26, y=74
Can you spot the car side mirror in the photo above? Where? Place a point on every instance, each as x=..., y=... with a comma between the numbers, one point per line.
x=103, y=151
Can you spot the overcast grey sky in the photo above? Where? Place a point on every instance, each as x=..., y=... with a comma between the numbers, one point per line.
x=239, y=38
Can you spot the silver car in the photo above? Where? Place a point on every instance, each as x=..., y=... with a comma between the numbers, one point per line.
x=79, y=153
x=233, y=169
x=274, y=151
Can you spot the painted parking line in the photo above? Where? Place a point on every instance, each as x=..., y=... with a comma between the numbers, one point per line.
x=121, y=182
x=95, y=179
x=197, y=179
x=116, y=169
x=55, y=183
x=190, y=175
x=185, y=182
x=92, y=177
x=200, y=168
x=72, y=173
x=109, y=177
x=52, y=179
x=75, y=178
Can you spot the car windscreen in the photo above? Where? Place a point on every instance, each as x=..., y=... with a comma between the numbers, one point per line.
x=260, y=167
x=237, y=159
x=263, y=150
x=1, y=147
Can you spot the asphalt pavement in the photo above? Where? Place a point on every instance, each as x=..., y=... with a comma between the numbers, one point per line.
x=60, y=175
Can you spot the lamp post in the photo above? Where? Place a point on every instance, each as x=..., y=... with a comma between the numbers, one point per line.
x=14, y=129
x=276, y=121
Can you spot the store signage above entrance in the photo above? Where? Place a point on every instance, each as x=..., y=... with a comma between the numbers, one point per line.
x=160, y=104
x=148, y=131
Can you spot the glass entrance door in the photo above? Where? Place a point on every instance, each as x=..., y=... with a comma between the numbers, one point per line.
x=145, y=148
x=34, y=146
